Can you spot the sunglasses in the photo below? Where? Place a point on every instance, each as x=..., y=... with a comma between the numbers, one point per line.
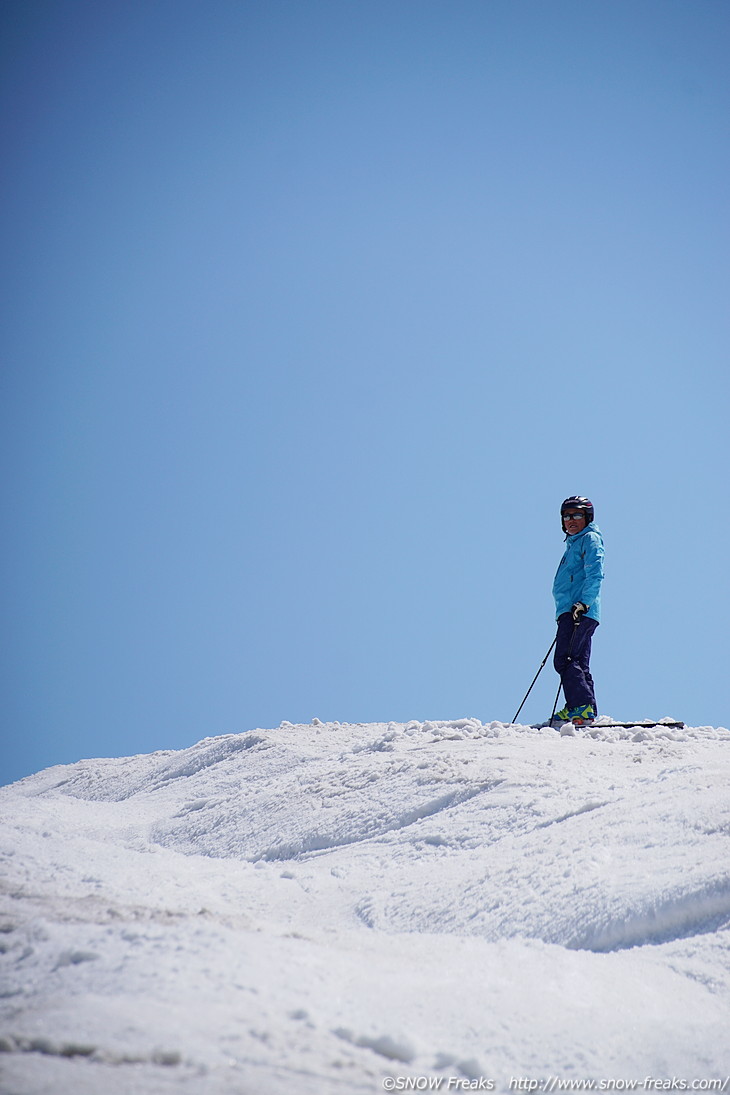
x=571, y=516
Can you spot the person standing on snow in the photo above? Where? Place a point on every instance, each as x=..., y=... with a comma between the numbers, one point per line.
x=577, y=593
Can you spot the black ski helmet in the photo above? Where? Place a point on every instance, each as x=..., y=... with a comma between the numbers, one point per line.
x=577, y=501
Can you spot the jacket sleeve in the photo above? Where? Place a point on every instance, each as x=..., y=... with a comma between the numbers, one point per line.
x=593, y=573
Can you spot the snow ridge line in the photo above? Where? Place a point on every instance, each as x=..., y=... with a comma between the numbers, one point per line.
x=586, y=809
x=688, y=914
x=316, y=842
x=219, y=750
x=68, y=1050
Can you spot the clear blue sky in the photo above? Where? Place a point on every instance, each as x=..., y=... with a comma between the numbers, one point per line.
x=314, y=311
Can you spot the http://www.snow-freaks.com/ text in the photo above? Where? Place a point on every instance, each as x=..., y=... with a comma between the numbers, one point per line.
x=552, y=1084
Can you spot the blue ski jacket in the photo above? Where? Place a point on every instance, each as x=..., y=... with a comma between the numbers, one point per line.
x=580, y=573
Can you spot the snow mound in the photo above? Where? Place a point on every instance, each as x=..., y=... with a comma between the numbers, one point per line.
x=300, y=909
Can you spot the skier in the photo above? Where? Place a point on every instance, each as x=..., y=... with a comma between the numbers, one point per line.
x=577, y=593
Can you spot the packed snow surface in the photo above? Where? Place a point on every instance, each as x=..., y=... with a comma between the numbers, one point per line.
x=333, y=908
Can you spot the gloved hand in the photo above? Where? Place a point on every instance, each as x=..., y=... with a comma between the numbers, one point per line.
x=578, y=609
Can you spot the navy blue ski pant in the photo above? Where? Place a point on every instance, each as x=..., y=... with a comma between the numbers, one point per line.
x=572, y=659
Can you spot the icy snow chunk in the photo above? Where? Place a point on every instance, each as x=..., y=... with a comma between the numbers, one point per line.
x=470, y=1068
x=49, y=1048
x=382, y=744
x=394, y=1048
x=169, y=1058
x=74, y=958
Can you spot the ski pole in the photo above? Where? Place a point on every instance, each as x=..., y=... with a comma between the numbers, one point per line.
x=555, y=705
x=570, y=648
x=542, y=663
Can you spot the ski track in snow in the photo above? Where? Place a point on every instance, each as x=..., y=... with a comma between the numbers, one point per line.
x=314, y=908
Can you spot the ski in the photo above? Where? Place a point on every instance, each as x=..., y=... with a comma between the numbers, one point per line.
x=672, y=724
x=643, y=724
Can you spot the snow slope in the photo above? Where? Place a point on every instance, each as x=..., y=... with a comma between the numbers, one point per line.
x=318, y=909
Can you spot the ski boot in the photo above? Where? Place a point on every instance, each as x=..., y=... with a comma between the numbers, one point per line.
x=582, y=716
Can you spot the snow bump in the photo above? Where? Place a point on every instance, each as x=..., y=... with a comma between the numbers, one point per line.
x=313, y=908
